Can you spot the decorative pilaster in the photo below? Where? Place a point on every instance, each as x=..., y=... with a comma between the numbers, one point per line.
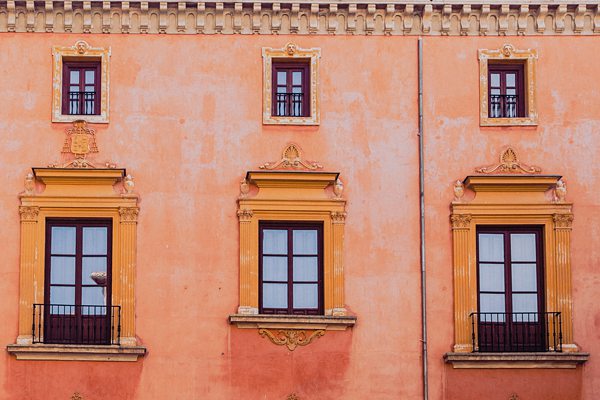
x=29, y=223
x=562, y=261
x=338, y=221
x=248, y=279
x=465, y=299
x=124, y=275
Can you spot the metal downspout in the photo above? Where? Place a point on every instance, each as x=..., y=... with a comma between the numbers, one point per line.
x=422, y=228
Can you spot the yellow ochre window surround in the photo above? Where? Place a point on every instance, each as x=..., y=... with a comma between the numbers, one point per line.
x=507, y=54
x=80, y=51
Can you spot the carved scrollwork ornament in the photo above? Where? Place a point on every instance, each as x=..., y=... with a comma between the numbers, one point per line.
x=291, y=158
x=291, y=338
x=338, y=217
x=459, y=191
x=509, y=164
x=560, y=191
x=244, y=188
x=29, y=213
x=129, y=214
x=460, y=221
x=128, y=184
x=563, y=221
x=338, y=189
x=29, y=184
x=245, y=215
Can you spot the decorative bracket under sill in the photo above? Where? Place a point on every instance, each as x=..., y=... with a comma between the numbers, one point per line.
x=298, y=322
x=547, y=360
x=67, y=352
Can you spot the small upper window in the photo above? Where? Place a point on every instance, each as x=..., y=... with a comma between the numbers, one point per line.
x=506, y=91
x=81, y=88
x=291, y=268
x=291, y=89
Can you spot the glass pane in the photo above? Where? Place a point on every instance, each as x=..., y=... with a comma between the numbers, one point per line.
x=296, y=89
x=63, y=240
x=306, y=295
x=62, y=295
x=281, y=78
x=495, y=79
x=94, y=241
x=296, y=78
x=275, y=269
x=522, y=247
x=90, y=89
x=62, y=270
x=511, y=79
x=306, y=269
x=275, y=295
x=281, y=89
x=89, y=77
x=74, y=78
x=491, y=277
x=491, y=247
x=305, y=241
x=73, y=89
x=274, y=241
x=95, y=265
x=491, y=303
x=93, y=296
x=495, y=92
x=511, y=92
x=524, y=277
x=524, y=303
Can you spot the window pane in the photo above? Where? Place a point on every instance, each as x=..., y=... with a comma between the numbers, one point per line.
x=89, y=77
x=522, y=247
x=495, y=79
x=306, y=269
x=296, y=78
x=274, y=241
x=511, y=92
x=74, y=89
x=491, y=303
x=94, y=241
x=62, y=270
x=511, y=78
x=93, y=264
x=74, y=77
x=281, y=89
x=524, y=277
x=495, y=92
x=491, y=277
x=90, y=89
x=524, y=303
x=62, y=295
x=63, y=240
x=281, y=78
x=296, y=89
x=275, y=269
x=491, y=247
x=93, y=296
x=306, y=296
x=275, y=295
x=305, y=241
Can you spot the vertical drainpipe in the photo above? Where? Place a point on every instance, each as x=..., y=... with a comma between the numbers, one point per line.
x=422, y=228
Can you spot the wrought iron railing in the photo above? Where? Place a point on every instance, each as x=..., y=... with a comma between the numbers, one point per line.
x=504, y=106
x=82, y=103
x=71, y=324
x=289, y=105
x=516, y=332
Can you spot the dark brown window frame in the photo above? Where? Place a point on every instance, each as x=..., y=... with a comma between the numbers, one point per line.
x=79, y=224
x=506, y=231
x=290, y=226
x=69, y=66
x=503, y=69
x=282, y=65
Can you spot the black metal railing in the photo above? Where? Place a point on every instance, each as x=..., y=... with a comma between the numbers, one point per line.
x=504, y=106
x=516, y=332
x=289, y=105
x=82, y=103
x=81, y=324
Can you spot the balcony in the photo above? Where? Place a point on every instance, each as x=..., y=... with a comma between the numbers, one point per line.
x=76, y=324
x=289, y=105
x=504, y=106
x=82, y=103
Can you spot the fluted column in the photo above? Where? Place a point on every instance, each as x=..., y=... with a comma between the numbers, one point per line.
x=248, y=279
x=124, y=273
x=562, y=260
x=338, y=221
x=463, y=291
x=29, y=227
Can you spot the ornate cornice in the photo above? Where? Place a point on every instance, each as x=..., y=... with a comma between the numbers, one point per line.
x=291, y=338
x=420, y=17
x=29, y=213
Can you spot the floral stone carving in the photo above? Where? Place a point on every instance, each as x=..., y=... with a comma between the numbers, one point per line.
x=509, y=164
x=291, y=338
x=291, y=158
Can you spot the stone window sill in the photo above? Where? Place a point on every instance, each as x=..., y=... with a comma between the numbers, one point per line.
x=316, y=322
x=525, y=121
x=516, y=360
x=63, y=352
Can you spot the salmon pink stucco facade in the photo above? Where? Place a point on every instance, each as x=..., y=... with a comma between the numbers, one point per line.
x=299, y=200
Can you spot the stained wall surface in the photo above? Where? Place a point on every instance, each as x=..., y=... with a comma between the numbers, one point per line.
x=186, y=123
